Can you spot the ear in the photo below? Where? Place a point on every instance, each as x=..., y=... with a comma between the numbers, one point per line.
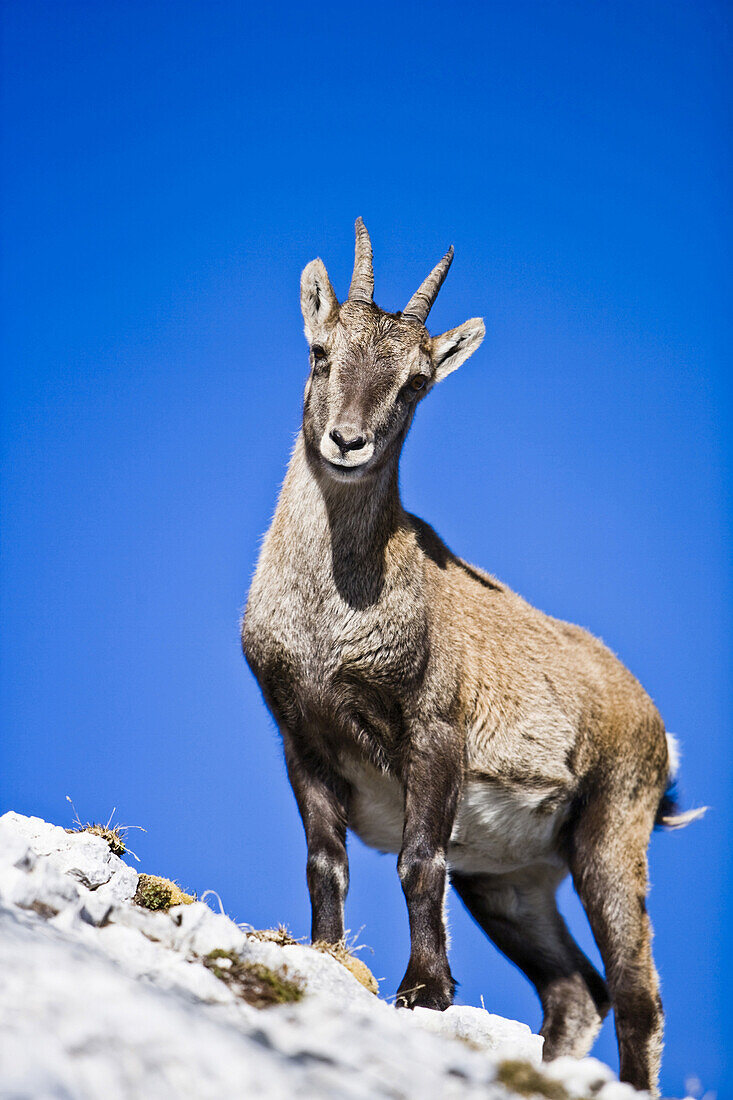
x=317, y=300
x=453, y=348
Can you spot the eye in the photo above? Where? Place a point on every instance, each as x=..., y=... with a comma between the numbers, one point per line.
x=418, y=382
x=320, y=360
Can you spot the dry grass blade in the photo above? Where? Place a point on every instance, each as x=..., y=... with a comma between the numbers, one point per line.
x=114, y=835
x=280, y=935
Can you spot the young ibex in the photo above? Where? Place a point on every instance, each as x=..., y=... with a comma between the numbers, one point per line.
x=430, y=709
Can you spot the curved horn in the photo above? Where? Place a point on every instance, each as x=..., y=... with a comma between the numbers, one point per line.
x=421, y=302
x=362, y=281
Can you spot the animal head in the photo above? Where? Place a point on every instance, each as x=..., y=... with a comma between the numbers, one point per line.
x=370, y=368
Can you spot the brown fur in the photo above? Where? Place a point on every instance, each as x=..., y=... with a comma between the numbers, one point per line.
x=427, y=706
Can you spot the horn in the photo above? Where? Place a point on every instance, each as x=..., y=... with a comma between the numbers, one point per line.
x=362, y=281
x=421, y=302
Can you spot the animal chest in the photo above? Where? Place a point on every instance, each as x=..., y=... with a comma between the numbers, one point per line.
x=332, y=671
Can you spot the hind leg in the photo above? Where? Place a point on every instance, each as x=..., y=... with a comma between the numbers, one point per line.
x=608, y=862
x=520, y=914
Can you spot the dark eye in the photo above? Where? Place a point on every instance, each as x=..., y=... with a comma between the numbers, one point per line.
x=320, y=359
x=418, y=382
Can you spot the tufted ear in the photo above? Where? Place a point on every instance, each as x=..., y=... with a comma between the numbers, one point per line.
x=318, y=301
x=453, y=348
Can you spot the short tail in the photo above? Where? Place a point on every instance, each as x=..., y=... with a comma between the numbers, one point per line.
x=669, y=815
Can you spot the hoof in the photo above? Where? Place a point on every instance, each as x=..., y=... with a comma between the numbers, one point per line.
x=428, y=992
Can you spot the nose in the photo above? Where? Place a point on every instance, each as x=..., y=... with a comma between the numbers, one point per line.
x=348, y=440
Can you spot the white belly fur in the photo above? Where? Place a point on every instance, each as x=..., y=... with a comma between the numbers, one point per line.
x=495, y=830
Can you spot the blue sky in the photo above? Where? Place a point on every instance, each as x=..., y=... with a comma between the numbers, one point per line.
x=169, y=170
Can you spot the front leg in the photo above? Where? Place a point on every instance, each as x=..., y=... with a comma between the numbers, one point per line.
x=322, y=801
x=432, y=788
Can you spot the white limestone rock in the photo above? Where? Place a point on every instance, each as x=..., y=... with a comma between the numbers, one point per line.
x=121, y=886
x=39, y=835
x=321, y=974
x=32, y=883
x=193, y=928
x=589, y=1079
x=101, y=997
x=88, y=859
x=484, y=1031
x=77, y=858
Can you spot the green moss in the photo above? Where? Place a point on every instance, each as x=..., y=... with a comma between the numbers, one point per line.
x=252, y=982
x=526, y=1080
x=154, y=892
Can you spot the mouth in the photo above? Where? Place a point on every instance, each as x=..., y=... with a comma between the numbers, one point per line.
x=345, y=473
x=346, y=464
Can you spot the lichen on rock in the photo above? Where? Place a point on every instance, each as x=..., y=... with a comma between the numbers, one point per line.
x=524, y=1079
x=254, y=983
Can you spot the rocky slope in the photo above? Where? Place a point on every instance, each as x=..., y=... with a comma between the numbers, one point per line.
x=103, y=997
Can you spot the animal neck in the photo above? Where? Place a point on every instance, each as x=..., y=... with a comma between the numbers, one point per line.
x=349, y=525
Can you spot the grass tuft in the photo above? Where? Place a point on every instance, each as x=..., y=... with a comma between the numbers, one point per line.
x=252, y=982
x=114, y=835
x=280, y=935
x=343, y=954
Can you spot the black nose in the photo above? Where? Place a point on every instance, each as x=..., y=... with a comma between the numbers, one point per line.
x=347, y=442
